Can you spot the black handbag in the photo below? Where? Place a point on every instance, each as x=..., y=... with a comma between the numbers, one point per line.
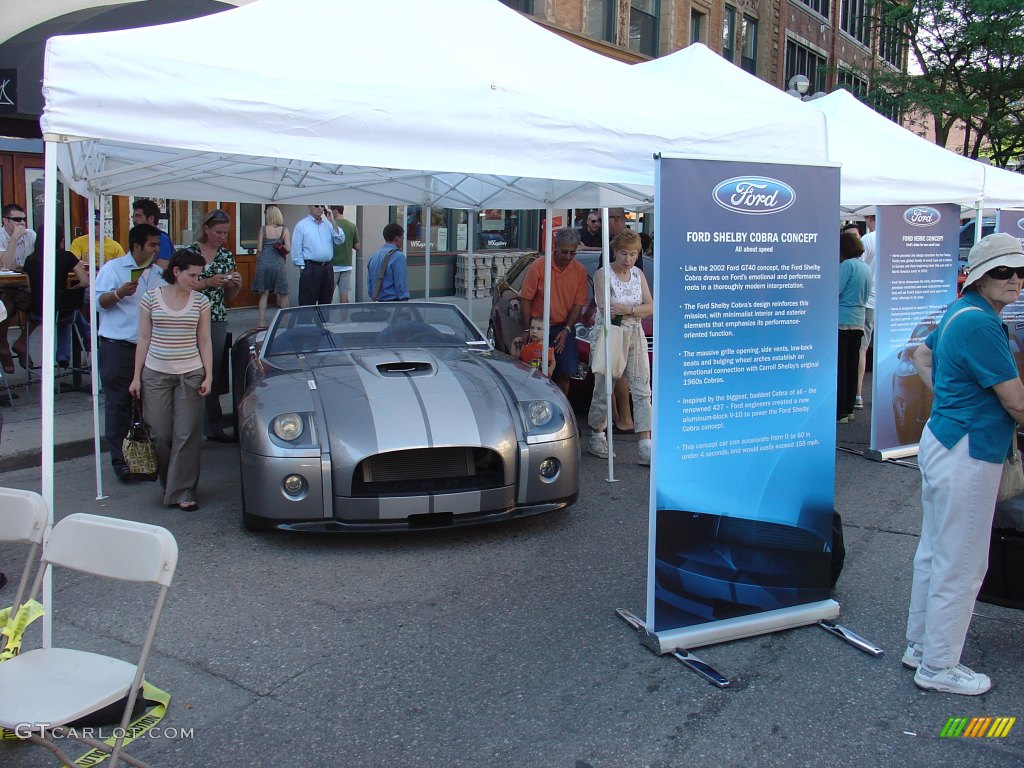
x=137, y=447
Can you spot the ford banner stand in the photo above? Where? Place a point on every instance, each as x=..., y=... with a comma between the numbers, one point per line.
x=743, y=473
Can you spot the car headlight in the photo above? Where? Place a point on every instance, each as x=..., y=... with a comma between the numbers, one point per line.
x=542, y=419
x=539, y=412
x=288, y=426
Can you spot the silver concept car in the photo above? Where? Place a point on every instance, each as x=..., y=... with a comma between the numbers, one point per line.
x=390, y=416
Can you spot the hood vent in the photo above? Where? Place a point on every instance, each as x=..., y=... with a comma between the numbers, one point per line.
x=405, y=368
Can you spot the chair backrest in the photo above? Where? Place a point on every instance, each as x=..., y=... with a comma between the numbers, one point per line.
x=117, y=549
x=23, y=516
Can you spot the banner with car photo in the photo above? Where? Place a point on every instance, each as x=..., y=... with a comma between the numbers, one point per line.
x=745, y=395
x=917, y=253
x=1011, y=222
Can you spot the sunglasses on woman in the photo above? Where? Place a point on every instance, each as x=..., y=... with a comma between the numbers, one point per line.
x=1005, y=273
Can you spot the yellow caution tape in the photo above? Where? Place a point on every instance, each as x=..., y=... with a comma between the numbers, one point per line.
x=136, y=728
x=13, y=629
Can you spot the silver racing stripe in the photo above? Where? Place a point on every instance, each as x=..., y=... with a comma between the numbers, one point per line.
x=398, y=419
x=446, y=407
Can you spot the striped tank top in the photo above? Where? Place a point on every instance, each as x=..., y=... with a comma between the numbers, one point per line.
x=173, y=346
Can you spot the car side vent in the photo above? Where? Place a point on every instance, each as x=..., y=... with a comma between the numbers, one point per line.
x=403, y=368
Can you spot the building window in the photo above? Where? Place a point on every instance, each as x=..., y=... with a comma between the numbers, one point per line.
x=890, y=46
x=643, y=27
x=886, y=104
x=728, y=33
x=247, y=228
x=855, y=84
x=853, y=18
x=696, y=27
x=601, y=19
x=525, y=6
x=748, y=54
x=801, y=60
x=820, y=6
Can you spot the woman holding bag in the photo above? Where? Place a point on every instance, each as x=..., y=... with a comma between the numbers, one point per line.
x=273, y=246
x=174, y=372
x=630, y=301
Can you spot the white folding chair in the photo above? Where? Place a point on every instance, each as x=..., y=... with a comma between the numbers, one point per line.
x=49, y=687
x=23, y=519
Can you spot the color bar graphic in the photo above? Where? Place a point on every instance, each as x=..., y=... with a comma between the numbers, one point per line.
x=977, y=727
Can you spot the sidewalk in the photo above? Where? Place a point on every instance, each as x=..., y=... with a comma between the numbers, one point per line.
x=21, y=438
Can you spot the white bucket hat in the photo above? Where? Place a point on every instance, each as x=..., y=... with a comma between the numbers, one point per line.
x=996, y=250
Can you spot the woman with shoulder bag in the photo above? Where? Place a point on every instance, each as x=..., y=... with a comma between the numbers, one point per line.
x=174, y=373
x=630, y=301
x=273, y=245
x=978, y=401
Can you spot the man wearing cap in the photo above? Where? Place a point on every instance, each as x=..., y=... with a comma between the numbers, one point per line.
x=978, y=402
x=106, y=247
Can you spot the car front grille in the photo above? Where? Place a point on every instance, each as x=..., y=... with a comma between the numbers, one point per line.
x=428, y=470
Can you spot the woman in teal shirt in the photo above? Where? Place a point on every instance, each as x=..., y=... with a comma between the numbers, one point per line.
x=979, y=398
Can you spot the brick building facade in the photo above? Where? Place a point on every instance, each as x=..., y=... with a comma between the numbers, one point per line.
x=832, y=42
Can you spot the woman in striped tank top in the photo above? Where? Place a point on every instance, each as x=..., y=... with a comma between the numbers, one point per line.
x=173, y=373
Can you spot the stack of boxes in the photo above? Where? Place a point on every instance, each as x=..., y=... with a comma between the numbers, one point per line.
x=488, y=268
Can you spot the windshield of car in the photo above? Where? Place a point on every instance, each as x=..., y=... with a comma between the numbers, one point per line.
x=338, y=327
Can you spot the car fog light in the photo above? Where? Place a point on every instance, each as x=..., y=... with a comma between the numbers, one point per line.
x=288, y=426
x=549, y=468
x=294, y=485
x=540, y=412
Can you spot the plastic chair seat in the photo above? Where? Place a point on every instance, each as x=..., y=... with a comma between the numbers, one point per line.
x=57, y=686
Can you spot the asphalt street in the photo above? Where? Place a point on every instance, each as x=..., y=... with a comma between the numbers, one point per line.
x=500, y=646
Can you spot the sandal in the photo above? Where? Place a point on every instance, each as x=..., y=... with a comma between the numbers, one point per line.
x=24, y=360
x=7, y=361
x=188, y=504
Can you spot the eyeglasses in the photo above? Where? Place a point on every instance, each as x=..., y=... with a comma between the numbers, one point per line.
x=16, y=219
x=217, y=215
x=566, y=251
x=1005, y=273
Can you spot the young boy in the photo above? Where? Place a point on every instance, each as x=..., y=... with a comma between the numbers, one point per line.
x=531, y=352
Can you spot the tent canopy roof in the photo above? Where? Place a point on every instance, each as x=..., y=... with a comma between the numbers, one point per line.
x=473, y=107
x=882, y=162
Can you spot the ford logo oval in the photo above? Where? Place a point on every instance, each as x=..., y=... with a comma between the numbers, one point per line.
x=1020, y=223
x=754, y=195
x=921, y=216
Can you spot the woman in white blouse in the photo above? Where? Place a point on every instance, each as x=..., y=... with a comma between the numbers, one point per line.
x=630, y=301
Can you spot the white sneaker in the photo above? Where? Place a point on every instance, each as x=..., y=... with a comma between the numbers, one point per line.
x=858, y=403
x=958, y=679
x=643, y=455
x=598, y=445
x=912, y=656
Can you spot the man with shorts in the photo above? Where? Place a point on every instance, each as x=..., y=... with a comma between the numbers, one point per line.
x=342, y=261
x=568, y=297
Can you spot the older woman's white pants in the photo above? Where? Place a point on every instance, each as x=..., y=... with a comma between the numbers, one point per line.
x=637, y=373
x=958, y=499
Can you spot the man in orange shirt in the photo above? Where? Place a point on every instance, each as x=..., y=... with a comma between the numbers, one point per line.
x=568, y=297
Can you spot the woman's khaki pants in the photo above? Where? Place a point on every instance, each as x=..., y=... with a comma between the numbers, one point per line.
x=174, y=412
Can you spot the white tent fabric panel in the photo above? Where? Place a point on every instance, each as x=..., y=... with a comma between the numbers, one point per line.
x=478, y=92
x=882, y=162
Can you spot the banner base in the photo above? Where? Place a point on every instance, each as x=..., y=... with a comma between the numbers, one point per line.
x=744, y=626
x=851, y=637
x=687, y=659
x=888, y=454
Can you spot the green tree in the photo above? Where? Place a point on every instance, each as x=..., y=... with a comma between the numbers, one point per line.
x=966, y=63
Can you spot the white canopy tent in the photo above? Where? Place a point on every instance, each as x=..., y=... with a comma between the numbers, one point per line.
x=882, y=162
x=472, y=107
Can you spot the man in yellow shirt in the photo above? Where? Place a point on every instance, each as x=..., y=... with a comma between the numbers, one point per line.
x=107, y=247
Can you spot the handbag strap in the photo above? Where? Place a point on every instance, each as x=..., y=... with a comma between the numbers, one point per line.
x=380, y=276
